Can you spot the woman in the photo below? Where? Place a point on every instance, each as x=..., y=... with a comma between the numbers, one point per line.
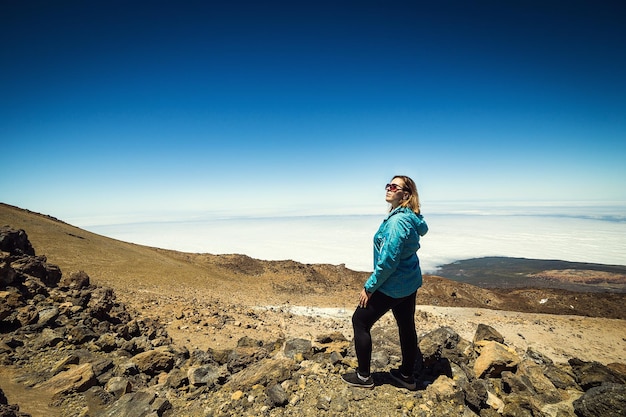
x=393, y=284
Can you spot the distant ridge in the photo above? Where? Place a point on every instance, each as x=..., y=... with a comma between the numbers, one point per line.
x=506, y=272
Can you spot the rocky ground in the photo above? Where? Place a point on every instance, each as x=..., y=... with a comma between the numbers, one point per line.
x=72, y=348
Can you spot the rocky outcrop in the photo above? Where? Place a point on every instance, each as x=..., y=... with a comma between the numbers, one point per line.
x=74, y=340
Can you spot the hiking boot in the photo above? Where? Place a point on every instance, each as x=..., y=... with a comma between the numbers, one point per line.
x=355, y=380
x=407, y=382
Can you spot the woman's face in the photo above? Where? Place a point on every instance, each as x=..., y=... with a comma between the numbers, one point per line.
x=395, y=192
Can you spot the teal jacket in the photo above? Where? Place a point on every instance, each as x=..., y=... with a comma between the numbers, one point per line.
x=397, y=270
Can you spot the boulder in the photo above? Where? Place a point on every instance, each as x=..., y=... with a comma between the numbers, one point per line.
x=265, y=372
x=276, y=396
x=592, y=374
x=47, y=315
x=534, y=375
x=485, y=333
x=433, y=344
x=37, y=267
x=241, y=357
x=204, y=375
x=446, y=390
x=47, y=338
x=76, y=280
x=81, y=334
x=118, y=386
x=135, y=404
x=15, y=241
x=607, y=400
x=298, y=348
x=155, y=361
x=494, y=359
x=78, y=379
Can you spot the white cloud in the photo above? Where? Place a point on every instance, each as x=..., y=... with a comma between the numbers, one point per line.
x=347, y=239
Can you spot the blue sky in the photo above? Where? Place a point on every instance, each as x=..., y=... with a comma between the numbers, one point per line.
x=116, y=107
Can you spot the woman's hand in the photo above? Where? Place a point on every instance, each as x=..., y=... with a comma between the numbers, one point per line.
x=364, y=297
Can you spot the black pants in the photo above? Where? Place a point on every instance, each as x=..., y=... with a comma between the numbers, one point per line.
x=364, y=318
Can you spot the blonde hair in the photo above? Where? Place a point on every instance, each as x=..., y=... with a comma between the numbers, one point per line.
x=413, y=202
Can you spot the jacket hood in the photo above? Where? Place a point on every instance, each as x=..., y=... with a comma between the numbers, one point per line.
x=417, y=220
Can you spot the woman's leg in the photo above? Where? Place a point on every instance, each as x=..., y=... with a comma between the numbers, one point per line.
x=404, y=313
x=362, y=321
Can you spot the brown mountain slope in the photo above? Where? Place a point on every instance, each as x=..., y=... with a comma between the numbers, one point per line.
x=130, y=267
x=138, y=273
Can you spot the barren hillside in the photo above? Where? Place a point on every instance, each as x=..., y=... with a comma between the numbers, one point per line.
x=211, y=303
x=136, y=270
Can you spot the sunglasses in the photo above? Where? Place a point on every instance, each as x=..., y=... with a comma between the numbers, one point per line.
x=393, y=188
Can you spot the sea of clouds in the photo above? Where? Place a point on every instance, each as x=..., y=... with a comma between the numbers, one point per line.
x=572, y=232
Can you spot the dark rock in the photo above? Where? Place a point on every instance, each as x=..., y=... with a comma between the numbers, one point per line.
x=47, y=315
x=485, y=332
x=100, y=303
x=607, y=400
x=98, y=399
x=519, y=406
x=15, y=242
x=241, y=358
x=330, y=338
x=592, y=374
x=204, y=375
x=76, y=280
x=47, y=338
x=476, y=394
x=538, y=357
x=295, y=347
x=277, y=396
x=201, y=357
x=7, y=410
x=32, y=287
x=12, y=342
x=81, y=334
x=118, y=386
x=37, y=267
x=10, y=301
x=128, y=368
x=516, y=384
x=335, y=357
x=7, y=273
x=561, y=377
x=108, y=342
x=101, y=366
x=27, y=315
x=177, y=378
x=433, y=343
x=249, y=342
x=141, y=403
x=137, y=345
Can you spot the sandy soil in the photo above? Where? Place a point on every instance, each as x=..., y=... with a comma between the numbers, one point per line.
x=219, y=322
